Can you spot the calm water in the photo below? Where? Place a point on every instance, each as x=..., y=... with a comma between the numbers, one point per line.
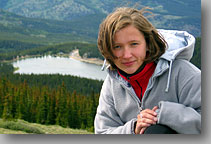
x=59, y=65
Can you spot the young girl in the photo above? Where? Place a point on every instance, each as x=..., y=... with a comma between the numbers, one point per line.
x=151, y=86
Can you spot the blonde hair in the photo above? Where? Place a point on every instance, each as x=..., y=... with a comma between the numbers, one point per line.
x=121, y=18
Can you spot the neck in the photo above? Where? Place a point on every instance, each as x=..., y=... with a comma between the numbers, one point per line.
x=129, y=75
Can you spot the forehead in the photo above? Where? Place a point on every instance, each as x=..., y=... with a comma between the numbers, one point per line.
x=129, y=33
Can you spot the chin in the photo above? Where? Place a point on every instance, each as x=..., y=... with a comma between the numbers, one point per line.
x=130, y=72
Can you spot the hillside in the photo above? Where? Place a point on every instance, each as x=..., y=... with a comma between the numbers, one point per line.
x=23, y=127
x=84, y=16
x=70, y=9
x=41, y=31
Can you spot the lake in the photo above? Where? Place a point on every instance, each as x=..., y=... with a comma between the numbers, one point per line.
x=59, y=65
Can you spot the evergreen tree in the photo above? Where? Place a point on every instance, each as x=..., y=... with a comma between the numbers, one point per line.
x=61, y=102
x=42, y=108
x=18, y=114
x=7, y=111
x=75, y=115
x=51, y=110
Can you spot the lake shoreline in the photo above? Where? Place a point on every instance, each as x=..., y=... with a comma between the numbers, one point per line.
x=58, y=64
x=75, y=55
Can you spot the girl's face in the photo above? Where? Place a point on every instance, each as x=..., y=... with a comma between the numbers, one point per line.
x=129, y=48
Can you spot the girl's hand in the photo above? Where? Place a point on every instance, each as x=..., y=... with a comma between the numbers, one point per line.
x=146, y=118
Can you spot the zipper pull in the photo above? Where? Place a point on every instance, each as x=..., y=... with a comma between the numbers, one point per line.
x=140, y=108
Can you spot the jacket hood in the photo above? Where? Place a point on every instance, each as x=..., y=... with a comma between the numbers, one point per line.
x=180, y=44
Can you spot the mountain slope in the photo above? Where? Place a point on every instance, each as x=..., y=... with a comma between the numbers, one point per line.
x=35, y=30
x=68, y=9
x=82, y=17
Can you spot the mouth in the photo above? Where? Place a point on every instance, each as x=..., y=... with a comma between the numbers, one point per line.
x=128, y=63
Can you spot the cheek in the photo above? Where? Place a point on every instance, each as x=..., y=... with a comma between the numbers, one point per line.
x=141, y=54
x=116, y=61
x=144, y=52
x=117, y=54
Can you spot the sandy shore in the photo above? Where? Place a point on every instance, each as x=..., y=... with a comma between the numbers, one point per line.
x=75, y=55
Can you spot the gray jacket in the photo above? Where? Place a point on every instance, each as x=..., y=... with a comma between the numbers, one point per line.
x=175, y=87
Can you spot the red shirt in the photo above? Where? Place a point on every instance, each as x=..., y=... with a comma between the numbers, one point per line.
x=140, y=80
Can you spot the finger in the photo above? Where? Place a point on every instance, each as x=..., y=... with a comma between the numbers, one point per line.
x=147, y=121
x=138, y=128
x=142, y=130
x=146, y=116
x=149, y=111
x=155, y=108
x=140, y=125
x=144, y=122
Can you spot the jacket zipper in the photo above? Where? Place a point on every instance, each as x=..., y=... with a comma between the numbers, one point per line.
x=141, y=89
x=141, y=96
x=136, y=98
x=151, y=82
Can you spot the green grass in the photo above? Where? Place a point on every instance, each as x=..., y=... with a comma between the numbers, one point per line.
x=23, y=127
x=8, y=131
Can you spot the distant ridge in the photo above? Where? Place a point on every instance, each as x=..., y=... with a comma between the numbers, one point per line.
x=169, y=14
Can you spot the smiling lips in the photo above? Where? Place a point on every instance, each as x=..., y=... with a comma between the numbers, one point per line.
x=130, y=63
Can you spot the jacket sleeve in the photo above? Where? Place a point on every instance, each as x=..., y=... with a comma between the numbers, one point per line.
x=107, y=120
x=185, y=116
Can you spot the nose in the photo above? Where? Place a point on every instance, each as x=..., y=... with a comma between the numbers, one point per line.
x=127, y=53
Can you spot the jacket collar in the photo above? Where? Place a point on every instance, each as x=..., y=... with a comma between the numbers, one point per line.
x=140, y=74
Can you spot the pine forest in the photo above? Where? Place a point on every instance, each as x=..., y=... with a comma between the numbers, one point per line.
x=46, y=99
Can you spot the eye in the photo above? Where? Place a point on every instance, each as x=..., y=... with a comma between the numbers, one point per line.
x=134, y=43
x=116, y=47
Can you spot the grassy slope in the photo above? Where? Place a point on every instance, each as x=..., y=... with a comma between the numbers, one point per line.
x=8, y=131
x=23, y=127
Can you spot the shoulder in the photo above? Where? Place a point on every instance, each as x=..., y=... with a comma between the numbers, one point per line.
x=184, y=66
x=114, y=79
x=185, y=72
x=108, y=83
x=114, y=83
